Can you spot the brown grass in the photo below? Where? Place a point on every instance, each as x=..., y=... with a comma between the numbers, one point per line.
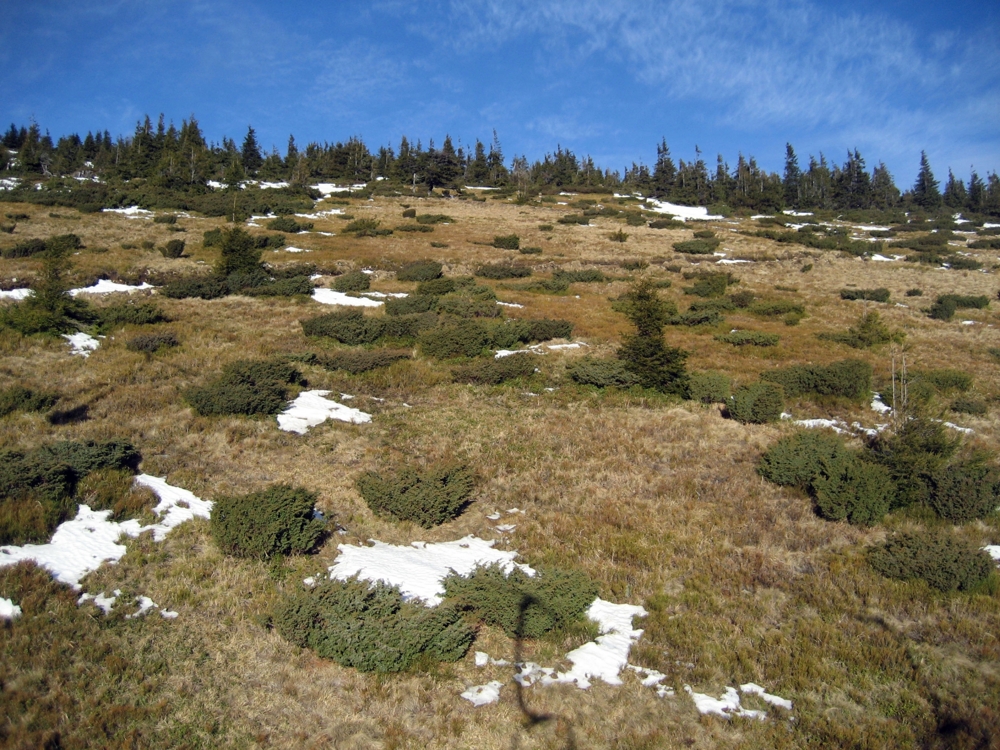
x=657, y=500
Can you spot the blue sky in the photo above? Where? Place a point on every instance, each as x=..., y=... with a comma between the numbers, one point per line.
x=607, y=78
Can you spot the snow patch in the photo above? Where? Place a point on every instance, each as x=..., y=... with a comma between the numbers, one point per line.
x=104, y=286
x=331, y=297
x=483, y=695
x=684, y=213
x=16, y=294
x=328, y=188
x=993, y=550
x=132, y=212
x=105, y=603
x=81, y=343
x=310, y=409
x=9, y=610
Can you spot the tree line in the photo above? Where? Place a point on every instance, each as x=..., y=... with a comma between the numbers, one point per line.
x=181, y=159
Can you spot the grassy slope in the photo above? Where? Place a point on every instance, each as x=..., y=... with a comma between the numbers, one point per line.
x=657, y=500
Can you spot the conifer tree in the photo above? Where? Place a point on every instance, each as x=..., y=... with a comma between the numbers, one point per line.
x=792, y=182
x=976, y=193
x=250, y=154
x=925, y=190
x=955, y=195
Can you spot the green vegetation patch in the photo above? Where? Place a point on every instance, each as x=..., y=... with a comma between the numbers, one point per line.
x=428, y=498
x=279, y=520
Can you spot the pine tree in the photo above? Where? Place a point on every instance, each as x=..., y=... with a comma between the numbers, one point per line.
x=792, y=182
x=885, y=194
x=644, y=352
x=977, y=193
x=250, y=154
x=664, y=172
x=955, y=195
x=925, y=191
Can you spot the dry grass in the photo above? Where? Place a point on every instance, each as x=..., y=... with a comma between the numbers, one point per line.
x=657, y=500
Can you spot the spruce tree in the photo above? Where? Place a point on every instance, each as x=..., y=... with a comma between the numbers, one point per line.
x=925, y=190
x=792, y=182
x=644, y=352
x=250, y=154
x=955, y=195
x=976, y=193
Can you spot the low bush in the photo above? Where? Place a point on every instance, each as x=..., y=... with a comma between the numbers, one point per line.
x=353, y=281
x=941, y=559
x=165, y=219
x=461, y=306
x=967, y=489
x=355, y=328
x=603, y=373
x=438, y=287
x=280, y=520
x=795, y=459
x=356, y=361
x=18, y=398
x=245, y=387
x=428, y=498
x=530, y=250
x=742, y=300
x=874, y=295
x=757, y=403
x=697, y=317
x=288, y=287
x=409, y=213
x=130, y=313
x=867, y=333
x=370, y=627
x=203, y=287
x=467, y=338
x=773, y=308
x=497, y=370
x=698, y=246
x=288, y=224
x=507, y=242
x=915, y=454
x=585, y=276
x=749, y=338
x=434, y=219
x=545, y=227
x=421, y=270
x=914, y=292
x=524, y=606
x=618, y=236
x=667, y=224
x=61, y=244
x=848, y=378
x=709, y=387
x=37, y=486
x=711, y=284
x=416, y=303
x=718, y=304
x=173, y=249
x=150, y=343
x=424, y=228
x=366, y=228
x=503, y=271
x=555, y=285
x=574, y=219
x=968, y=405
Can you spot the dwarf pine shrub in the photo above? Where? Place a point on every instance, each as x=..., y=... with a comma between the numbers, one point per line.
x=203, y=287
x=438, y=286
x=356, y=361
x=966, y=489
x=409, y=213
x=697, y=246
x=584, y=276
x=434, y=219
x=749, y=338
x=524, y=606
x=507, y=242
x=852, y=489
x=150, y=343
x=756, y=403
x=461, y=306
x=415, y=303
x=848, y=378
x=709, y=387
x=574, y=219
x=428, y=498
x=277, y=521
x=18, y=398
x=968, y=405
x=288, y=224
x=868, y=332
x=874, y=295
x=130, y=313
x=370, y=627
x=467, y=338
x=667, y=224
x=421, y=270
x=503, y=271
x=603, y=373
x=941, y=559
x=711, y=285
x=915, y=454
x=353, y=281
x=37, y=486
x=246, y=387
x=496, y=371
x=795, y=459
x=173, y=249
x=775, y=308
x=288, y=287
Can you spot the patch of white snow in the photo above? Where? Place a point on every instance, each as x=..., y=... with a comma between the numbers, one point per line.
x=482, y=695
x=9, y=610
x=310, y=409
x=81, y=344
x=104, y=286
x=331, y=297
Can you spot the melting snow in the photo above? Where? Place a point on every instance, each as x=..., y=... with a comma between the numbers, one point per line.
x=80, y=546
x=132, y=212
x=419, y=569
x=993, y=550
x=728, y=705
x=105, y=603
x=16, y=294
x=482, y=695
x=331, y=297
x=879, y=405
x=311, y=409
x=327, y=188
x=81, y=343
x=509, y=304
x=684, y=213
x=108, y=287
x=797, y=213
x=9, y=610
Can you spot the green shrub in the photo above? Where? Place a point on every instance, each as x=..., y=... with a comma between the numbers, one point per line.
x=634, y=218
x=203, y=287
x=634, y=265
x=346, y=326
x=796, y=459
x=424, y=228
x=428, y=498
x=667, y=224
x=288, y=224
x=757, y=403
x=697, y=247
x=545, y=227
x=743, y=300
x=282, y=287
x=543, y=329
x=497, y=370
x=503, y=271
x=37, y=486
x=370, y=627
x=603, y=373
x=291, y=271
x=555, y=285
x=507, y=242
x=462, y=306
x=240, y=252
x=848, y=378
x=966, y=490
x=524, y=606
x=943, y=308
x=277, y=521
x=853, y=490
x=436, y=287
x=356, y=361
x=530, y=250
x=212, y=238
x=165, y=219
x=467, y=338
x=25, y=249
x=245, y=387
x=366, y=228
x=868, y=332
x=697, y=317
x=434, y=219
x=173, y=249
x=353, y=281
x=618, y=236
x=573, y=219
x=914, y=292
x=150, y=343
x=967, y=301
x=749, y=338
x=415, y=303
x=585, y=276
x=915, y=454
x=130, y=313
x=421, y=270
x=945, y=379
x=967, y=405
x=18, y=398
x=944, y=561
x=874, y=295
x=711, y=284
x=774, y=308
x=709, y=387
